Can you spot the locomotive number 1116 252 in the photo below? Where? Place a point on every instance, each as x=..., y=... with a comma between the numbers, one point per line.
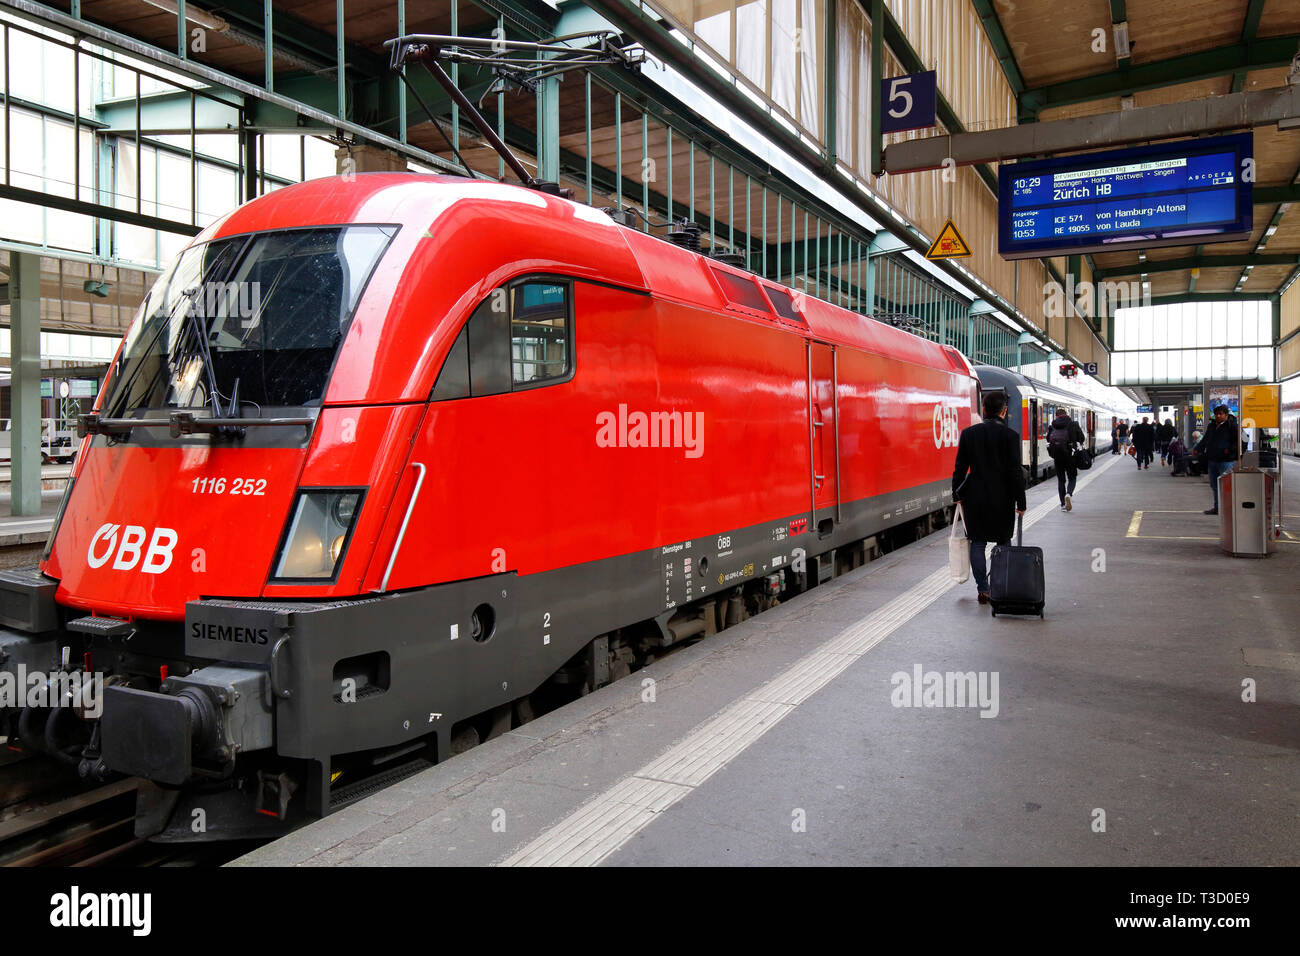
x=236, y=486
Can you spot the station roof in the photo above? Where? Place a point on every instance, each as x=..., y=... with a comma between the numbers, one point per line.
x=1180, y=51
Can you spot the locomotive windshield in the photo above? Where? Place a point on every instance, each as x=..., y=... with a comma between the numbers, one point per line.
x=251, y=320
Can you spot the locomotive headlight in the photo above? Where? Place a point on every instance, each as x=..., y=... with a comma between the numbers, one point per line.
x=318, y=534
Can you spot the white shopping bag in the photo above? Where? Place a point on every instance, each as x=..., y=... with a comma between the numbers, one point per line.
x=958, y=549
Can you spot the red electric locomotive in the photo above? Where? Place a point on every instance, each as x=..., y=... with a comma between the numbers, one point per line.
x=380, y=458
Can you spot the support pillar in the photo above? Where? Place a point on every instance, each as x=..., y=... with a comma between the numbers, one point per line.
x=25, y=381
x=548, y=130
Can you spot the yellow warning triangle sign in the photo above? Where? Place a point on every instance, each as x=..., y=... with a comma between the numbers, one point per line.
x=949, y=244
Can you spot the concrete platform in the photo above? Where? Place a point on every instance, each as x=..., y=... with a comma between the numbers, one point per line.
x=54, y=477
x=24, y=530
x=1117, y=735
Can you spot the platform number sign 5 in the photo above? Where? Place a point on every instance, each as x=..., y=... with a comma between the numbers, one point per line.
x=946, y=427
x=908, y=102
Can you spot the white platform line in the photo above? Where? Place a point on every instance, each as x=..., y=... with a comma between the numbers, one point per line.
x=608, y=820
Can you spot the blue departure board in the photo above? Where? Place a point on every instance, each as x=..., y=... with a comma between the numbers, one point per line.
x=1181, y=193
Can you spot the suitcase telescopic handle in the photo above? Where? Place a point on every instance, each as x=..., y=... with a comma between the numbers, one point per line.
x=1020, y=531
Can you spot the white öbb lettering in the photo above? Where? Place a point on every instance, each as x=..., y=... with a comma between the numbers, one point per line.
x=945, y=427
x=105, y=543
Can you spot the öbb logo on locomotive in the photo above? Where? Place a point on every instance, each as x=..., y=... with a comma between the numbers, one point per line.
x=157, y=559
x=946, y=427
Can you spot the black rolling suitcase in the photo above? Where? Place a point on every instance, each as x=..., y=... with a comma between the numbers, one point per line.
x=1016, y=584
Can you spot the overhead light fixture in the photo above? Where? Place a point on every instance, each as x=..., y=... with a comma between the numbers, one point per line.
x=209, y=21
x=96, y=288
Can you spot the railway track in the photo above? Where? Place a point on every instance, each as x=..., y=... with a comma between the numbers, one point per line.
x=70, y=829
x=91, y=828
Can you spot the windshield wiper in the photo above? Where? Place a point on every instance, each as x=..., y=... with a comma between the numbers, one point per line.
x=186, y=423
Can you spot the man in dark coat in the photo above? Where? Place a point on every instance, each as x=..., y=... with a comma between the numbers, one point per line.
x=1144, y=440
x=1220, y=446
x=989, y=481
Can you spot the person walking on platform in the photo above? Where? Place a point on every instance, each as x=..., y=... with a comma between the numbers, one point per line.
x=1220, y=446
x=1123, y=435
x=1114, y=437
x=989, y=482
x=1144, y=440
x=1164, y=435
x=1062, y=437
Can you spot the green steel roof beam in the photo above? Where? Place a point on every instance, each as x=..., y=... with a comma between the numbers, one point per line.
x=300, y=39
x=534, y=18
x=1001, y=47
x=1267, y=195
x=1118, y=15
x=574, y=165
x=1198, y=262
x=1248, y=30
x=1258, y=54
x=1181, y=297
x=1287, y=282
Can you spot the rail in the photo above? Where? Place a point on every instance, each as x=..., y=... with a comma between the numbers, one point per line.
x=401, y=532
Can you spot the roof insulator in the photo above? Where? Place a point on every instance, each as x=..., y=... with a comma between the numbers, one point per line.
x=686, y=235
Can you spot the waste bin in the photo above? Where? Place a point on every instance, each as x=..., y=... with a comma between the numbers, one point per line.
x=1246, y=513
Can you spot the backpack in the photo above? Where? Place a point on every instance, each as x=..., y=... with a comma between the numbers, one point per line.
x=1058, y=437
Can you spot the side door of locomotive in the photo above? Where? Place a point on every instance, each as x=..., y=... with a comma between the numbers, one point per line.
x=823, y=430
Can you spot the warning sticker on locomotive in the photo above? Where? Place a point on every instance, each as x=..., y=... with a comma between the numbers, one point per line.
x=678, y=571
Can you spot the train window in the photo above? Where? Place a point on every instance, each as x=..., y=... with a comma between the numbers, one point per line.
x=518, y=337
x=741, y=291
x=489, y=346
x=453, y=380
x=258, y=316
x=783, y=303
x=539, y=332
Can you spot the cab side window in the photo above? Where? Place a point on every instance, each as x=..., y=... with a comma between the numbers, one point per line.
x=520, y=336
x=539, y=332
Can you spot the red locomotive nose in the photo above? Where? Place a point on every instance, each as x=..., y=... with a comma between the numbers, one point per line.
x=207, y=419
x=147, y=529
